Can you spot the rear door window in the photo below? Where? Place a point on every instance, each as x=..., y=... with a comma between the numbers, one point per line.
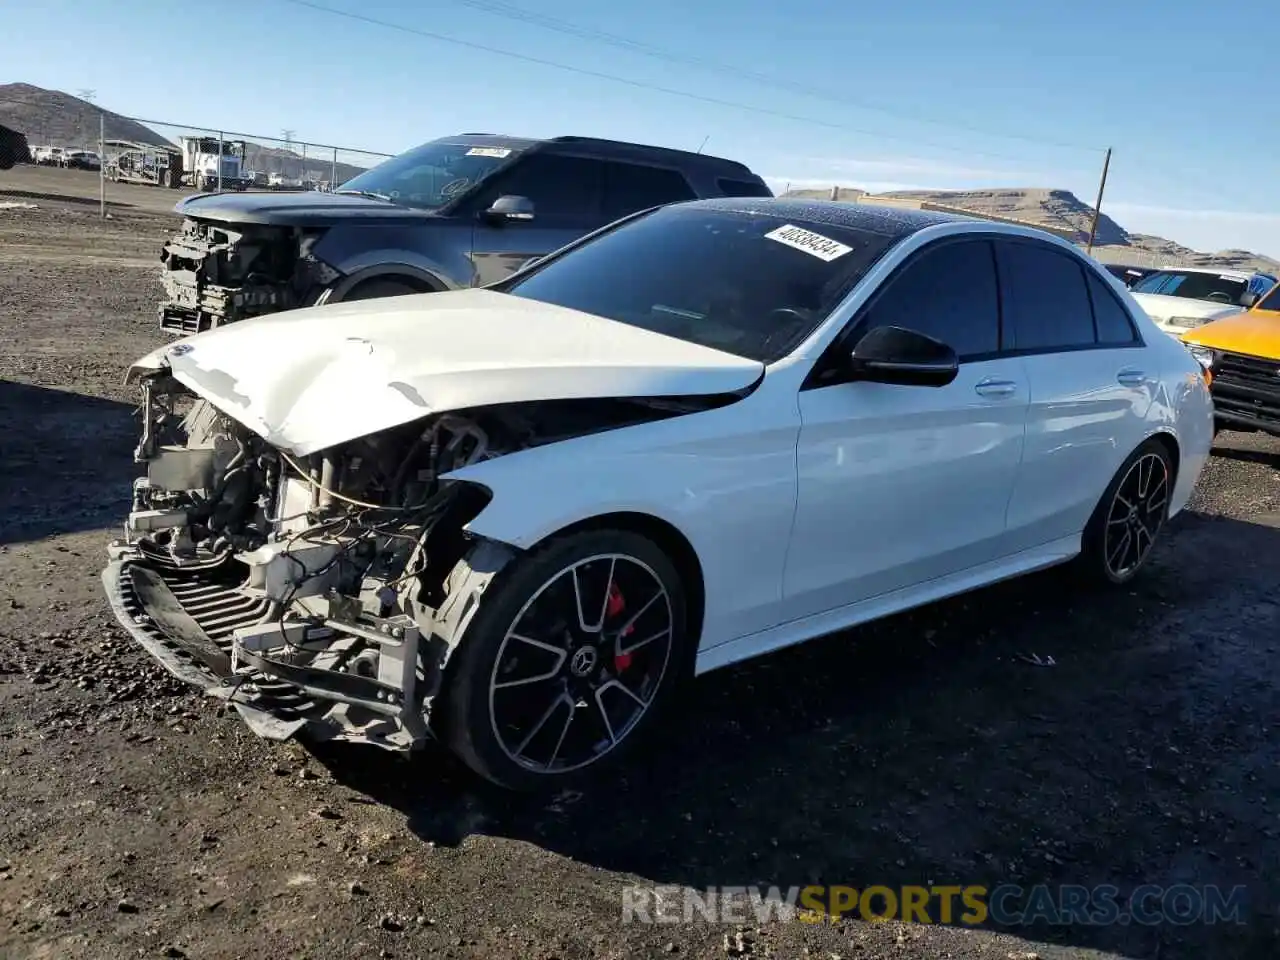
x=1045, y=298
x=561, y=188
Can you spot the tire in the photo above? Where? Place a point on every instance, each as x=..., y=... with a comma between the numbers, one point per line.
x=380, y=287
x=503, y=732
x=1133, y=503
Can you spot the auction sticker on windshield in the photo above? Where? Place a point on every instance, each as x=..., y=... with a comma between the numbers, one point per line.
x=498, y=152
x=814, y=244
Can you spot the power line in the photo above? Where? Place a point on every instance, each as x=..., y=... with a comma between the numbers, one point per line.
x=639, y=84
x=511, y=11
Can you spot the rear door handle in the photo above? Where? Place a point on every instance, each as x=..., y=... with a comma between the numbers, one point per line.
x=991, y=387
x=1131, y=378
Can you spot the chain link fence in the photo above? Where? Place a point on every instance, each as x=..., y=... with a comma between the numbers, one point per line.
x=201, y=158
x=116, y=157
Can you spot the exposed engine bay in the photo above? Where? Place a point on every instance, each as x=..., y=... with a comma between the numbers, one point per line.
x=328, y=591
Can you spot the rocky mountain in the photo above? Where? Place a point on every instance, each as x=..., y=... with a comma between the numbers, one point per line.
x=55, y=118
x=1063, y=210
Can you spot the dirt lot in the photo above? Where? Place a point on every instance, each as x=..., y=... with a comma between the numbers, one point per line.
x=139, y=822
x=83, y=187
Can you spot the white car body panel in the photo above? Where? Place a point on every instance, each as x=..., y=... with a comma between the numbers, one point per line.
x=291, y=377
x=1087, y=413
x=725, y=479
x=872, y=516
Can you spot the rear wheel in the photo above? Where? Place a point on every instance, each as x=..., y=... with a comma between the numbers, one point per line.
x=570, y=658
x=1132, y=512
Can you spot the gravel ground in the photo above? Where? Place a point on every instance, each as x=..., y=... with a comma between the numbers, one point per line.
x=138, y=821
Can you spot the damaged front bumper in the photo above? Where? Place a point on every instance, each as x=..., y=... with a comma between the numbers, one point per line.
x=283, y=677
x=217, y=273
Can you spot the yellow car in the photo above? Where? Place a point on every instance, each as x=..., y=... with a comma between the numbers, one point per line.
x=1241, y=357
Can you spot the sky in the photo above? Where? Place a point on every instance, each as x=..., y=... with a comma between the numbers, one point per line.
x=914, y=94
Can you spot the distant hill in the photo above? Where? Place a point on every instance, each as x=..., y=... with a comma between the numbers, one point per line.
x=54, y=118
x=58, y=119
x=1065, y=211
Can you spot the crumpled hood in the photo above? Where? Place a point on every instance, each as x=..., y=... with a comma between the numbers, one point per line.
x=1161, y=308
x=308, y=379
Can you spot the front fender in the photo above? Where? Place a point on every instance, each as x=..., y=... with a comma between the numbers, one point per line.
x=725, y=479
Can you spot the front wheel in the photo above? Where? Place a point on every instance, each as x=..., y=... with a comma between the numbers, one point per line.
x=1118, y=539
x=571, y=656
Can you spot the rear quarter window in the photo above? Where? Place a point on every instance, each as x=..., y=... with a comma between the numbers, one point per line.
x=1114, y=325
x=742, y=188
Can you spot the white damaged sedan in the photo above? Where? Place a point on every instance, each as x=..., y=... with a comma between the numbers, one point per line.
x=516, y=518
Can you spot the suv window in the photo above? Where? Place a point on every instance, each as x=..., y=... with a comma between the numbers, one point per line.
x=1110, y=317
x=742, y=188
x=632, y=187
x=948, y=293
x=1045, y=299
x=561, y=188
x=1271, y=301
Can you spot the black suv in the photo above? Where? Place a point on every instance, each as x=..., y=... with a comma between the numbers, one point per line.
x=456, y=212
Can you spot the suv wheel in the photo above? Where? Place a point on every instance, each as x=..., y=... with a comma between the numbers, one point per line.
x=381, y=287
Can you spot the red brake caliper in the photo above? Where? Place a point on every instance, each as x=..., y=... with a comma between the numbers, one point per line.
x=617, y=603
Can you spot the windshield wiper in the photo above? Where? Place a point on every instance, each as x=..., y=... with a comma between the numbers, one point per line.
x=365, y=193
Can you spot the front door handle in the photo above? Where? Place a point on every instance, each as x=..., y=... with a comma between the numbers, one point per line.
x=1131, y=378
x=991, y=387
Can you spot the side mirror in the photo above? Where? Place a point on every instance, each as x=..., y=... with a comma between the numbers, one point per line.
x=905, y=357
x=509, y=208
x=1248, y=299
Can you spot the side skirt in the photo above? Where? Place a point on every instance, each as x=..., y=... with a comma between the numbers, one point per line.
x=874, y=608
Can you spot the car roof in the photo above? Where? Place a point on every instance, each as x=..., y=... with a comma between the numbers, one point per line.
x=887, y=221
x=597, y=146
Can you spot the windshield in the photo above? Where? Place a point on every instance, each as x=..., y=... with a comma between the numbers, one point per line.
x=431, y=175
x=1192, y=285
x=750, y=284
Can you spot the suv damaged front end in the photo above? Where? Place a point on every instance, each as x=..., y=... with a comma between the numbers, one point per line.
x=216, y=273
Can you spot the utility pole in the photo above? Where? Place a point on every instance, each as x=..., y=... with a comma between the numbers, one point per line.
x=102, y=164
x=1097, y=207
x=288, y=148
